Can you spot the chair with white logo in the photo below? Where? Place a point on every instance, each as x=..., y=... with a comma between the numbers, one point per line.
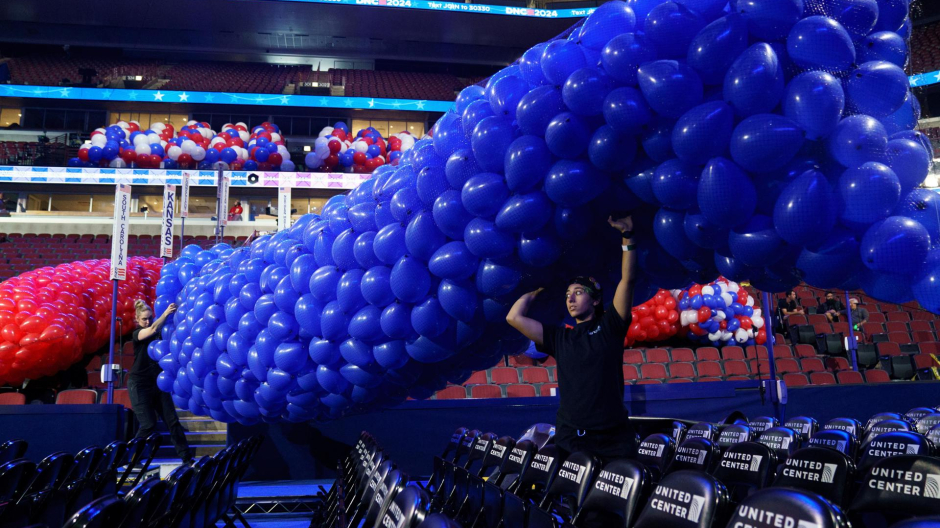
x=695, y=453
x=746, y=468
x=849, y=425
x=458, y=494
x=704, y=430
x=917, y=413
x=927, y=422
x=825, y=472
x=887, y=426
x=516, y=463
x=783, y=440
x=788, y=507
x=450, y=453
x=495, y=455
x=385, y=492
x=892, y=444
x=564, y=496
x=656, y=452
x=838, y=440
x=880, y=417
x=621, y=488
x=762, y=423
x=407, y=510
x=686, y=499
x=805, y=426
x=529, y=489
x=362, y=500
x=897, y=488
x=443, y=492
x=733, y=434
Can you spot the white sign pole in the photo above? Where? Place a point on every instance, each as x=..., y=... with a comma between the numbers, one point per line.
x=166, y=230
x=184, y=208
x=122, y=213
x=283, y=208
x=222, y=199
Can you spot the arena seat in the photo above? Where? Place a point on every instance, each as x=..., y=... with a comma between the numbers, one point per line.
x=762, y=423
x=709, y=369
x=745, y=468
x=485, y=391
x=504, y=375
x=77, y=397
x=877, y=418
x=656, y=452
x=783, y=440
x=546, y=389
x=632, y=356
x=893, y=444
x=394, y=482
x=12, y=398
x=684, y=355
x=685, y=499
x=927, y=422
x=848, y=377
x=805, y=426
x=453, y=392
x=535, y=375
x=901, y=367
x=900, y=487
x=732, y=352
x=100, y=513
x=702, y=430
x=573, y=479
x=799, y=508
x=707, y=354
x=657, y=355
x=734, y=367
x=653, y=371
x=822, y=378
x=695, y=453
x=733, y=434
x=618, y=492
x=828, y=473
x=795, y=380
x=12, y=449
x=681, y=370
x=630, y=373
x=142, y=502
x=407, y=510
x=517, y=463
x=520, y=391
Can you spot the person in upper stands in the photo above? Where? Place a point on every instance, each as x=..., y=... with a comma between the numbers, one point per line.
x=591, y=414
x=832, y=307
x=147, y=400
x=235, y=213
x=789, y=306
x=859, y=314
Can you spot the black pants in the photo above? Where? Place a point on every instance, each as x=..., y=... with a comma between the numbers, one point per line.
x=608, y=444
x=148, y=401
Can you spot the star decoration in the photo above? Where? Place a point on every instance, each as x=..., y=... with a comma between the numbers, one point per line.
x=347, y=102
x=132, y=95
x=65, y=92
x=184, y=96
x=284, y=99
x=371, y=103
x=420, y=105
x=323, y=101
x=106, y=94
x=209, y=97
x=158, y=96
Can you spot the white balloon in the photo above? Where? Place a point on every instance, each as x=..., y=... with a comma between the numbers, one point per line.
x=174, y=152
x=708, y=290
x=321, y=141
x=199, y=153
x=103, y=131
x=720, y=316
x=191, y=122
x=727, y=298
x=163, y=144
x=117, y=163
x=733, y=286
x=122, y=124
x=758, y=321
x=159, y=127
x=758, y=312
x=220, y=165
x=740, y=335
x=715, y=336
x=188, y=146
x=243, y=135
x=241, y=124
x=407, y=142
x=325, y=132
x=750, y=301
x=142, y=148
x=360, y=146
x=98, y=140
x=275, y=136
x=322, y=151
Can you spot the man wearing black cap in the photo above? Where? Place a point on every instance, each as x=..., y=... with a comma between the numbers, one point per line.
x=591, y=414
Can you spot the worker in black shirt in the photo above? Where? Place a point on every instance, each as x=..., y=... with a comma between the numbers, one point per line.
x=591, y=414
x=789, y=306
x=147, y=399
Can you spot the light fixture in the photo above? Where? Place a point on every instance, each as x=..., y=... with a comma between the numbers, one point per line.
x=139, y=78
x=306, y=148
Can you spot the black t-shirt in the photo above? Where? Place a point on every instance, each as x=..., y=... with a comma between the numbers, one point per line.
x=590, y=371
x=789, y=306
x=144, y=366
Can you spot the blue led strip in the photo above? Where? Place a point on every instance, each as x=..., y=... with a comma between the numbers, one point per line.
x=460, y=7
x=925, y=79
x=173, y=96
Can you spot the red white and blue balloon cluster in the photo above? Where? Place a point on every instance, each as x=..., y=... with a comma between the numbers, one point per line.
x=769, y=140
x=124, y=145
x=721, y=313
x=336, y=150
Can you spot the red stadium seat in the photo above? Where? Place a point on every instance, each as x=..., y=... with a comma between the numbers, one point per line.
x=520, y=391
x=657, y=355
x=796, y=319
x=897, y=326
x=504, y=376
x=653, y=371
x=837, y=363
x=925, y=361
x=822, y=378
x=453, y=392
x=848, y=377
x=902, y=338
x=546, y=389
x=817, y=319
x=877, y=376
x=650, y=382
x=632, y=356
x=923, y=337
x=822, y=328
x=759, y=367
x=679, y=380
x=709, y=369
x=477, y=378
x=732, y=352
x=683, y=354
x=758, y=351
x=681, y=370
x=899, y=316
x=782, y=351
x=795, y=380
x=875, y=316
x=535, y=375
x=709, y=379
x=521, y=361
x=812, y=365
x=929, y=348
x=630, y=373
x=707, y=354
x=888, y=348
x=785, y=365
x=12, y=398
x=805, y=351
x=121, y=397
x=736, y=367
x=77, y=397
x=872, y=328
x=918, y=325
x=485, y=391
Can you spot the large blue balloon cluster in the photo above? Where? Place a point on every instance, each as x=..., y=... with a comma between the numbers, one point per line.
x=763, y=140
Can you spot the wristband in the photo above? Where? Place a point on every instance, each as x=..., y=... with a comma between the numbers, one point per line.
x=628, y=247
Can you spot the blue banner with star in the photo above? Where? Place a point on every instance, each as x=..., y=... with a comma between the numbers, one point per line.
x=174, y=96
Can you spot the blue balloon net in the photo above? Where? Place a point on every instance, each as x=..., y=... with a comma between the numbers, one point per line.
x=769, y=141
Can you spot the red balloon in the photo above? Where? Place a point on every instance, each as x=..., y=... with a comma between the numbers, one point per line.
x=331, y=161
x=661, y=313
x=184, y=160
x=335, y=146
x=643, y=310
x=359, y=158
x=339, y=134
x=155, y=160
x=704, y=314
x=275, y=159
x=83, y=154
x=746, y=322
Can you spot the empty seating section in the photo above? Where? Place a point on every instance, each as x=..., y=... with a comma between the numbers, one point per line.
x=925, y=48
x=398, y=85
x=239, y=77
x=52, y=70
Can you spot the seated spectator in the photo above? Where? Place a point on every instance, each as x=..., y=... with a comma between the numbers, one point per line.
x=859, y=315
x=789, y=306
x=832, y=307
x=235, y=213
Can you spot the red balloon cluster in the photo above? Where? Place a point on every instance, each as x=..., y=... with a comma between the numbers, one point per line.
x=51, y=317
x=655, y=320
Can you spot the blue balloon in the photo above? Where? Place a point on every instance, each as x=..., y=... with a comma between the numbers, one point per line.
x=610, y=150
x=923, y=206
x=882, y=46
x=530, y=66
x=389, y=244
x=858, y=17
x=877, y=89
x=450, y=215
x=671, y=88
x=491, y=139
x=484, y=194
x=365, y=325
x=895, y=245
x=704, y=233
x=537, y=108
x=756, y=243
x=410, y=280
x=405, y=204
x=496, y=280
x=574, y=183
x=769, y=19
x=527, y=161
x=806, y=210
x=560, y=59
x=331, y=380
x=323, y=283
x=524, y=212
x=473, y=114
x=608, y=21
x=905, y=118
x=429, y=319
x=765, y=142
x=720, y=178
x=460, y=166
x=623, y=55
x=391, y=354
x=504, y=98
x=289, y=357
x=821, y=43
x=891, y=14
x=870, y=192
x=453, y=261
x=833, y=263
x=396, y=321
x=458, y=299
x=422, y=237
x=348, y=291
x=626, y=111
x=703, y=132
x=671, y=27
x=668, y=227
x=585, y=90
x=675, y=184
x=909, y=161
x=716, y=46
x=815, y=101
x=857, y=140
x=755, y=81
x=567, y=135
x=888, y=287
x=657, y=141
x=484, y=240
